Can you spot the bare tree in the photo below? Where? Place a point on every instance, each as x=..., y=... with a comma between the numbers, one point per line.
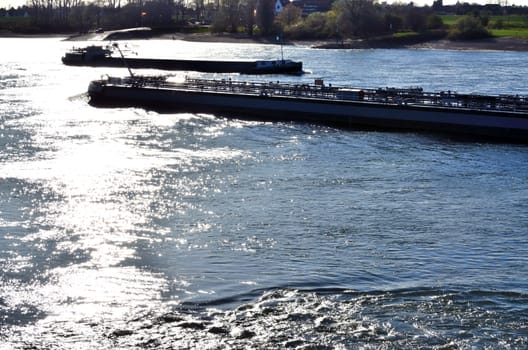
x=289, y=15
x=359, y=17
x=265, y=16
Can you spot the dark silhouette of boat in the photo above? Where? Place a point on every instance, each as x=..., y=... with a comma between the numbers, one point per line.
x=499, y=117
x=99, y=56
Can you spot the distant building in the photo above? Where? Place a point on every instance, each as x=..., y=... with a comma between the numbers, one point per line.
x=278, y=6
x=311, y=6
x=12, y=12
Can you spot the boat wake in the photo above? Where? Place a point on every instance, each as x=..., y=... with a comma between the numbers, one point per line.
x=329, y=318
x=79, y=97
x=324, y=318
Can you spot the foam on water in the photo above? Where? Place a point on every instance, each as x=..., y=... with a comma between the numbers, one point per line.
x=317, y=319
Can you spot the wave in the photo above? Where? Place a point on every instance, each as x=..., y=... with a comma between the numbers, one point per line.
x=320, y=318
x=331, y=318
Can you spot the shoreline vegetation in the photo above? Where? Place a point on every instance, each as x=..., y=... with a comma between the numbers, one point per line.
x=428, y=43
x=339, y=24
x=486, y=44
x=329, y=24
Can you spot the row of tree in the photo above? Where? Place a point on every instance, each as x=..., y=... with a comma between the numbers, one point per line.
x=345, y=19
x=364, y=18
x=77, y=15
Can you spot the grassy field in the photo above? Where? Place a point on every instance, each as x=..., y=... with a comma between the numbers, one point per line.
x=513, y=21
x=450, y=20
x=510, y=21
x=500, y=26
x=515, y=33
x=404, y=34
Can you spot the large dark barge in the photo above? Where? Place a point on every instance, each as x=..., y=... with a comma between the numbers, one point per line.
x=502, y=117
x=99, y=56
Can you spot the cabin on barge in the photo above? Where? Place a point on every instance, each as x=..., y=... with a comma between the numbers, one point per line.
x=501, y=117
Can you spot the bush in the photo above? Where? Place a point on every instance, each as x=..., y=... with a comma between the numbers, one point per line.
x=313, y=27
x=435, y=22
x=467, y=28
x=220, y=23
x=499, y=24
x=290, y=15
x=393, y=23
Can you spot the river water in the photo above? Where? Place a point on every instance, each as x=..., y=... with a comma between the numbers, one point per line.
x=124, y=228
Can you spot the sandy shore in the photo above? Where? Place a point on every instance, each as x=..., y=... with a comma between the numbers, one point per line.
x=491, y=44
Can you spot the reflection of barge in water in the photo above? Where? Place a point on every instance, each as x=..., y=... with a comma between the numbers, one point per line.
x=504, y=117
x=99, y=56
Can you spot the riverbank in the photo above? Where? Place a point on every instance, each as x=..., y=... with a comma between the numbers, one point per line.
x=489, y=44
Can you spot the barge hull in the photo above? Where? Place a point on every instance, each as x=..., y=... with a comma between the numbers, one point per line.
x=206, y=66
x=496, y=124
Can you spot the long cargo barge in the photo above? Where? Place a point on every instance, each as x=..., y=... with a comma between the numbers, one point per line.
x=501, y=117
x=99, y=56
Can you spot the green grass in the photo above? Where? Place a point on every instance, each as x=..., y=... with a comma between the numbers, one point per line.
x=513, y=21
x=516, y=33
x=404, y=34
x=512, y=25
x=509, y=21
x=450, y=20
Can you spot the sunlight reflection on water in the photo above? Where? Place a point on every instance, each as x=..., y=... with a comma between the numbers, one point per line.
x=123, y=227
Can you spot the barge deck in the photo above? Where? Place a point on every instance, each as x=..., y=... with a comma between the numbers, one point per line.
x=502, y=116
x=99, y=56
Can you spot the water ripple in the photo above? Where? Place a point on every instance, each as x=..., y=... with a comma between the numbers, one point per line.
x=124, y=228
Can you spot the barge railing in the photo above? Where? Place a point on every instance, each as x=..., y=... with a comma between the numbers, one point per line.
x=414, y=96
